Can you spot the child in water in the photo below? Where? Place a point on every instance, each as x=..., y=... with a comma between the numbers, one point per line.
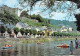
x=71, y=48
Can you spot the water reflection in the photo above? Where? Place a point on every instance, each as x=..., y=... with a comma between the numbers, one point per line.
x=33, y=49
x=6, y=52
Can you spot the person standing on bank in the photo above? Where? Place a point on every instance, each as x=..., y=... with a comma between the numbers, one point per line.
x=76, y=43
x=71, y=48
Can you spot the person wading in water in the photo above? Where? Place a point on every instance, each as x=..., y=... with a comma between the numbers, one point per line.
x=71, y=48
x=76, y=43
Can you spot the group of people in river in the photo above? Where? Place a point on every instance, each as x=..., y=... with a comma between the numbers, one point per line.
x=71, y=46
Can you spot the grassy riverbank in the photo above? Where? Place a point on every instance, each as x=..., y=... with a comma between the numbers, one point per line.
x=31, y=40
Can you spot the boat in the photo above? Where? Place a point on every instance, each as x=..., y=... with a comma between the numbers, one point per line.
x=63, y=46
x=38, y=43
x=7, y=48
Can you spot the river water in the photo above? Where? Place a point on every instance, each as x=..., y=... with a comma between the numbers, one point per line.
x=34, y=49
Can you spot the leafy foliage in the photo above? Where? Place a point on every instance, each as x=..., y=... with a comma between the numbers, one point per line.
x=42, y=33
x=64, y=22
x=34, y=32
x=7, y=17
x=38, y=33
x=22, y=30
x=65, y=34
x=38, y=24
x=9, y=31
x=26, y=31
x=78, y=21
x=48, y=3
x=30, y=31
x=24, y=14
x=16, y=30
x=38, y=17
x=2, y=29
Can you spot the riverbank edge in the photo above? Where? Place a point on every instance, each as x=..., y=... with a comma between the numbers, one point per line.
x=32, y=40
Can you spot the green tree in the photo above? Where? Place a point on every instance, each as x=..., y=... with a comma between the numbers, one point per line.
x=9, y=31
x=49, y=21
x=34, y=32
x=48, y=3
x=38, y=33
x=22, y=30
x=52, y=34
x=16, y=30
x=41, y=33
x=30, y=31
x=2, y=29
x=26, y=31
x=7, y=17
x=24, y=14
x=39, y=18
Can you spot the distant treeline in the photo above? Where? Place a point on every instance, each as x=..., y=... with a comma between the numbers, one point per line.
x=64, y=22
x=65, y=34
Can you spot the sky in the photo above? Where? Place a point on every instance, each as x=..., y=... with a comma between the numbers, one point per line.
x=58, y=15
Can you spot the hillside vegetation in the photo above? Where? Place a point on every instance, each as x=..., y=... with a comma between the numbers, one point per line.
x=35, y=20
x=64, y=22
x=6, y=17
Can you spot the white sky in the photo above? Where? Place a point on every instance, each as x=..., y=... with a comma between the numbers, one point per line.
x=0, y=1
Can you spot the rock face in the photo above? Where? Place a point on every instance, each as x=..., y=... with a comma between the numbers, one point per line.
x=9, y=9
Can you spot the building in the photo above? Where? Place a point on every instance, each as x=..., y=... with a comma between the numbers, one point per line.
x=35, y=28
x=48, y=31
x=69, y=28
x=4, y=8
x=66, y=28
x=22, y=25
